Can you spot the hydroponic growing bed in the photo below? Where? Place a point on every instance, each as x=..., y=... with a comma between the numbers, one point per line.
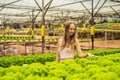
x=106, y=67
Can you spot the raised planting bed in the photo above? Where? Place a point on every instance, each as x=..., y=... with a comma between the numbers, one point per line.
x=103, y=68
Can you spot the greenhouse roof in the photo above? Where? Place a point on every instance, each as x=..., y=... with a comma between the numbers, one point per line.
x=16, y=10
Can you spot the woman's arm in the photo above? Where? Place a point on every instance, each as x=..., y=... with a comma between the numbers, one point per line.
x=57, y=54
x=80, y=54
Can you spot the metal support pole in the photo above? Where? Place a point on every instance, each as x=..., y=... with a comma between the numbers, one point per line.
x=92, y=21
x=25, y=48
x=33, y=48
x=43, y=23
x=33, y=23
x=44, y=9
x=92, y=40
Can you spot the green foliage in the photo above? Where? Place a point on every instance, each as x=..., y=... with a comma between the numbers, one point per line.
x=104, y=76
x=13, y=76
x=80, y=76
x=110, y=25
x=43, y=58
x=17, y=38
x=103, y=52
x=36, y=77
x=20, y=60
x=103, y=68
x=60, y=73
x=35, y=69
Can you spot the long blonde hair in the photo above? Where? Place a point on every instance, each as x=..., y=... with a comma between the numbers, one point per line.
x=68, y=41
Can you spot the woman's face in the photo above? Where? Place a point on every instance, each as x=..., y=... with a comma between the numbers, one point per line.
x=71, y=29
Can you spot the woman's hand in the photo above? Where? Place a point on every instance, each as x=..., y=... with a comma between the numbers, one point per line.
x=91, y=55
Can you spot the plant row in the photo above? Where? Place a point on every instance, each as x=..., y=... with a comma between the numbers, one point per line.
x=30, y=38
x=43, y=58
x=102, y=68
x=16, y=37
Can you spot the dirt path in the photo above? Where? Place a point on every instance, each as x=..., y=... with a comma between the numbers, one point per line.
x=102, y=44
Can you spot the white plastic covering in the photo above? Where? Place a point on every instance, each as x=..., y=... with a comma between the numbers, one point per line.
x=22, y=10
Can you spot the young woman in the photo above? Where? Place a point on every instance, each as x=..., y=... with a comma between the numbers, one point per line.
x=68, y=43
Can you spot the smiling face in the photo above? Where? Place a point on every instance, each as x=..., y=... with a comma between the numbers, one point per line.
x=70, y=35
x=72, y=29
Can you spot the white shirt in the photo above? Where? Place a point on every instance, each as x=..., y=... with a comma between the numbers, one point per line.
x=66, y=53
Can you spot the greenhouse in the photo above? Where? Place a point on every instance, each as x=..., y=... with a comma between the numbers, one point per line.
x=34, y=33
